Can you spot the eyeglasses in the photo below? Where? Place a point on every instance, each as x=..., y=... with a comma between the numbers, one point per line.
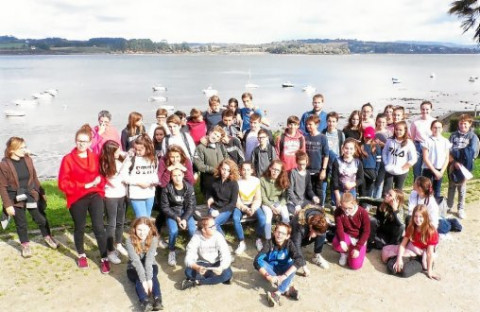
x=262, y=137
x=276, y=170
x=281, y=233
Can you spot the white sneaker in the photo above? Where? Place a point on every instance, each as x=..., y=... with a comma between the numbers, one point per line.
x=241, y=248
x=122, y=250
x=320, y=261
x=258, y=244
x=162, y=244
x=172, y=258
x=343, y=259
x=462, y=214
x=113, y=258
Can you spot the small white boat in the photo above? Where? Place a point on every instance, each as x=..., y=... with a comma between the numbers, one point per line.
x=209, y=92
x=287, y=84
x=14, y=113
x=471, y=79
x=249, y=84
x=309, y=89
x=42, y=95
x=25, y=103
x=52, y=92
x=159, y=88
x=157, y=99
x=395, y=80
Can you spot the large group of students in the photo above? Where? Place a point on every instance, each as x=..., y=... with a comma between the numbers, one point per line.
x=285, y=184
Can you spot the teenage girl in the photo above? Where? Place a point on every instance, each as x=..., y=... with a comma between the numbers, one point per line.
x=248, y=202
x=111, y=168
x=353, y=230
x=416, y=252
x=354, y=128
x=388, y=111
x=80, y=179
x=223, y=198
x=274, y=185
x=132, y=130
x=142, y=268
x=367, y=116
x=371, y=155
x=436, y=152
x=158, y=135
x=398, y=156
x=423, y=194
x=142, y=176
x=387, y=225
x=347, y=171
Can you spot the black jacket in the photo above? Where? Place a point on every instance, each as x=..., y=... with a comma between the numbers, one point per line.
x=174, y=206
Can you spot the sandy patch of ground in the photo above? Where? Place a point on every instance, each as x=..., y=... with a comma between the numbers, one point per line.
x=50, y=281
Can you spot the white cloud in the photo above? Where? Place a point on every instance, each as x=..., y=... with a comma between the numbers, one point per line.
x=248, y=21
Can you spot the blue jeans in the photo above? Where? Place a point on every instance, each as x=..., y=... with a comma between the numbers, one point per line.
x=436, y=184
x=142, y=295
x=279, y=270
x=221, y=219
x=142, y=207
x=209, y=278
x=237, y=224
x=173, y=231
x=417, y=168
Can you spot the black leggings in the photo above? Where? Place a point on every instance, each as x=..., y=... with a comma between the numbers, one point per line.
x=393, y=181
x=93, y=203
x=115, y=208
x=21, y=222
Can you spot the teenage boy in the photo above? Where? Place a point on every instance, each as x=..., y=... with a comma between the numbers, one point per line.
x=213, y=115
x=250, y=140
x=317, y=103
x=207, y=157
x=420, y=131
x=335, y=139
x=176, y=137
x=232, y=143
x=161, y=115
x=463, y=152
x=247, y=112
x=263, y=154
x=291, y=141
x=300, y=192
x=316, y=146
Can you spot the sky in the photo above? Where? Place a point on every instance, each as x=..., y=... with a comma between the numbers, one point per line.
x=233, y=21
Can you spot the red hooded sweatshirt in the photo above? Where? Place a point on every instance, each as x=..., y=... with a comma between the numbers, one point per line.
x=75, y=172
x=287, y=149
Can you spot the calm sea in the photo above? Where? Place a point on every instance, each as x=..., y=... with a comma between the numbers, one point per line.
x=123, y=83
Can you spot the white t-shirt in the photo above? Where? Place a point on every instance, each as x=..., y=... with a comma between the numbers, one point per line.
x=438, y=149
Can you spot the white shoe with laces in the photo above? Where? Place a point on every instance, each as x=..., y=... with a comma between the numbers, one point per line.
x=122, y=250
x=258, y=244
x=320, y=261
x=113, y=258
x=241, y=248
x=172, y=258
x=343, y=259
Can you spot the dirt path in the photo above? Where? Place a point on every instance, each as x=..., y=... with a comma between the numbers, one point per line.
x=50, y=281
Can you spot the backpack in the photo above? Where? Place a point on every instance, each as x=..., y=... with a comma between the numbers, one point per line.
x=185, y=141
x=282, y=142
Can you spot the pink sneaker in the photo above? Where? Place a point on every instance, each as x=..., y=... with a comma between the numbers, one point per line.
x=82, y=262
x=105, y=266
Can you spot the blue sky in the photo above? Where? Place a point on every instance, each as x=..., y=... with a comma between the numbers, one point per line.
x=245, y=21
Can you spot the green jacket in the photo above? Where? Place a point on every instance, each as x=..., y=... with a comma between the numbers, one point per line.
x=207, y=158
x=271, y=194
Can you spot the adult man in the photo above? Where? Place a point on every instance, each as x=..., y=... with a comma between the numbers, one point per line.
x=317, y=103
